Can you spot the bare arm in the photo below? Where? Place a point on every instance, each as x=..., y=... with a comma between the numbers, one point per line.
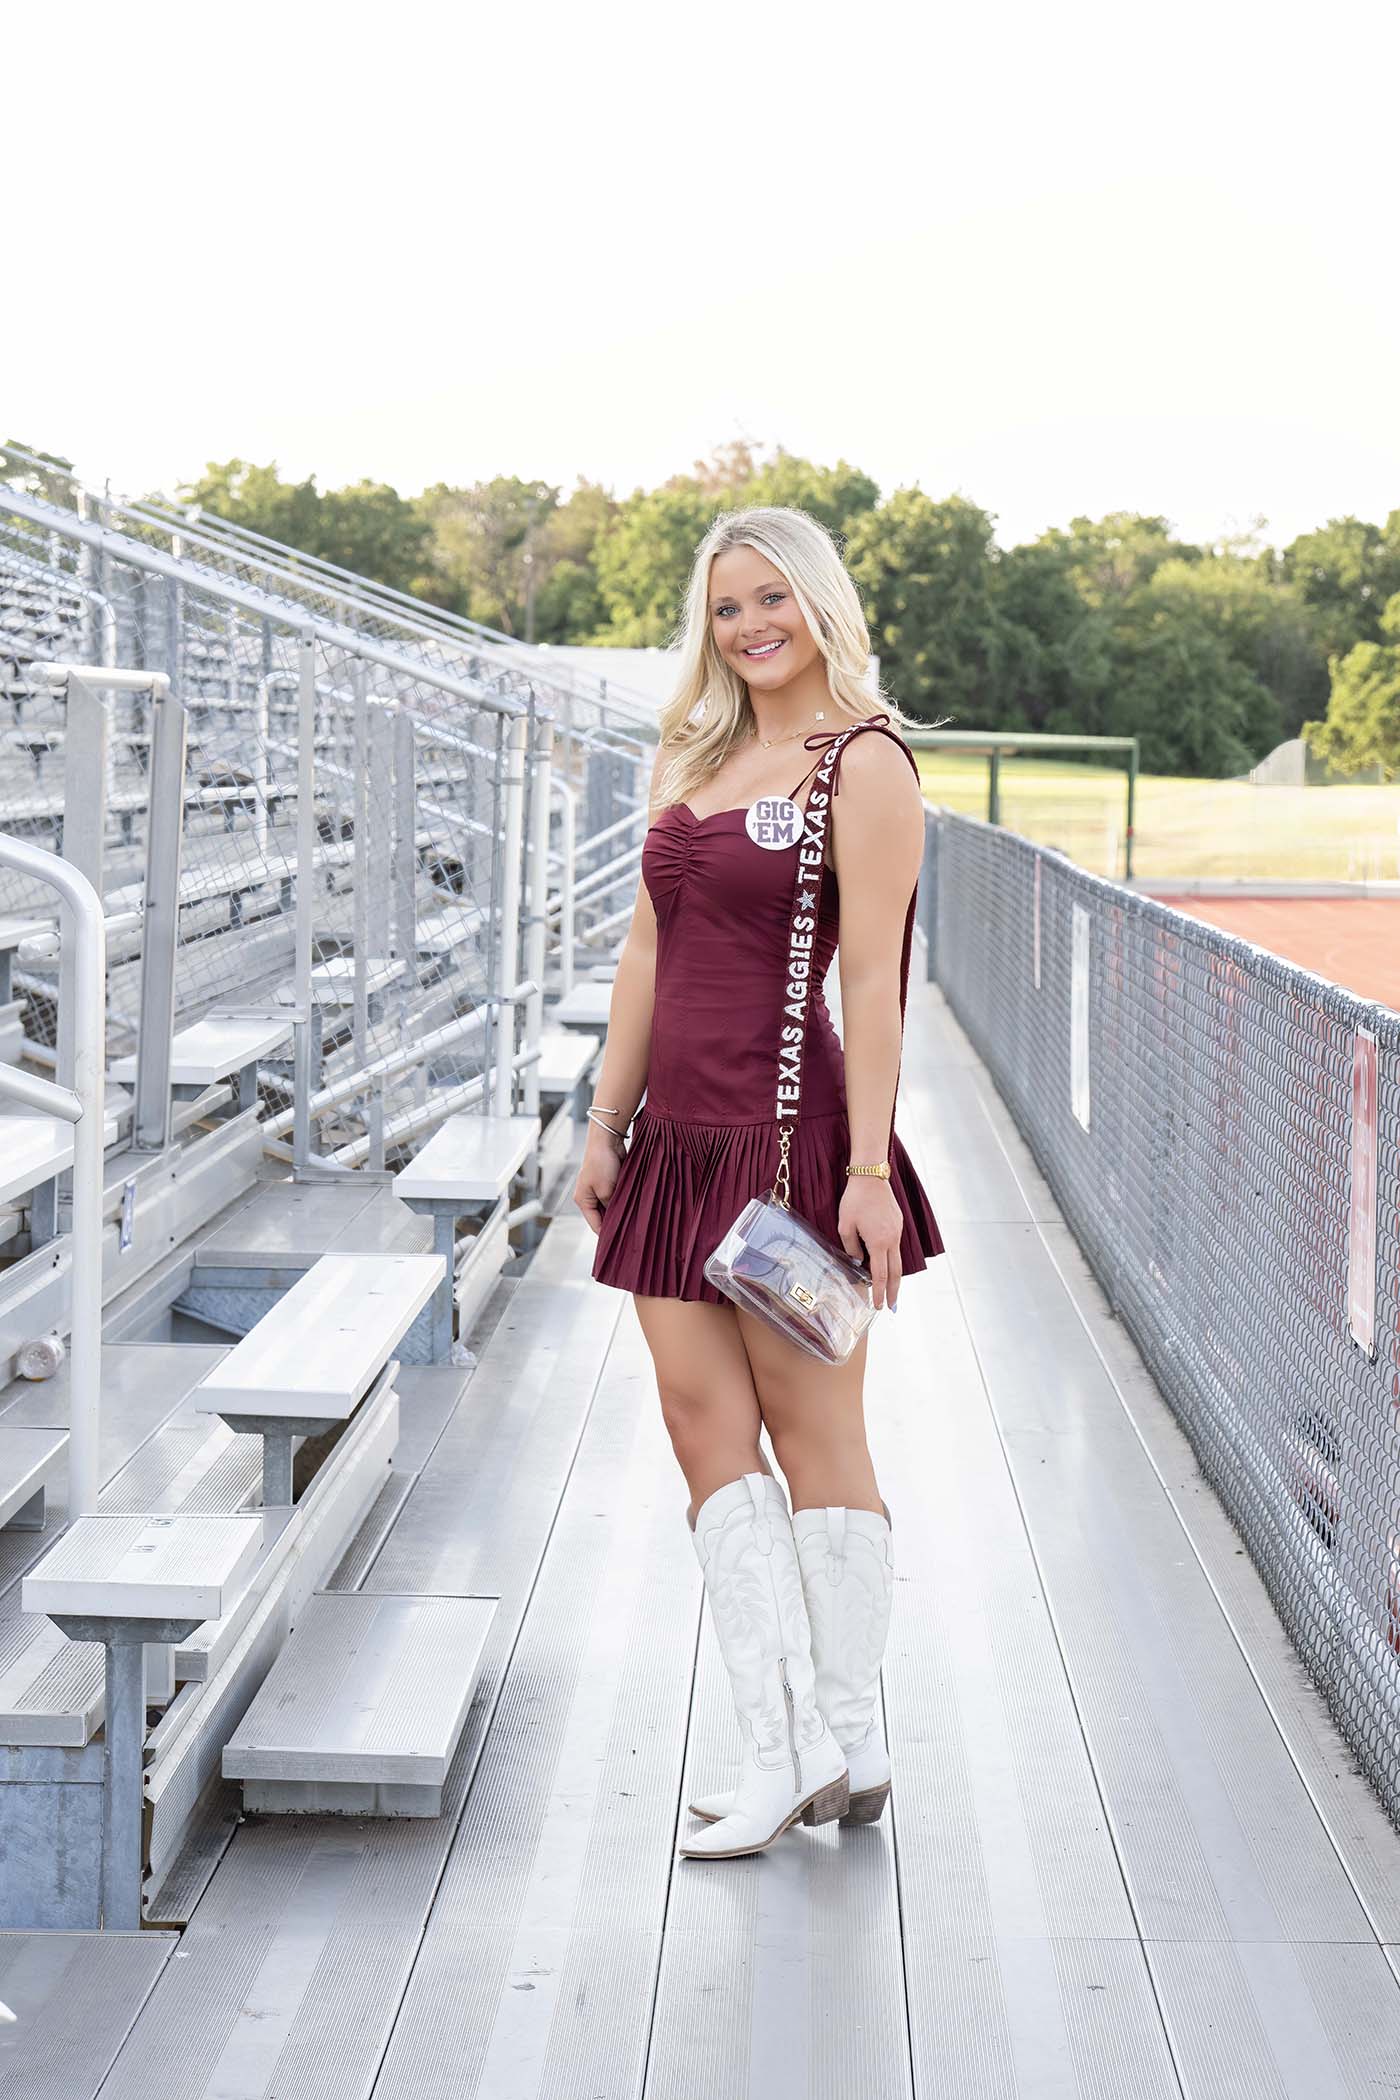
x=622, y=1076
x=877, y=845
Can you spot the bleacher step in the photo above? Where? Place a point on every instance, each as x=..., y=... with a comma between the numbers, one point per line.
x=588, y=1004
x=469, y=1159
x=28, y=1459
x=362, y=1711
x=565, y=1056
x=33, y=1149
x=215, y=1047
x=322, y=1345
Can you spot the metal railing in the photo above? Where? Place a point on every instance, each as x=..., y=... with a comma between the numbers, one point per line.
x=81, y=1103
x=105, y=603
x=315, y=824
x=1222, y=1132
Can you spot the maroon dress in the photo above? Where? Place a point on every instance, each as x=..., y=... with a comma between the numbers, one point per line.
x=705, y=1138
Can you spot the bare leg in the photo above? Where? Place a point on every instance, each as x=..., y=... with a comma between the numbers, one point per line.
x=815, y=1416
x=708, y=1400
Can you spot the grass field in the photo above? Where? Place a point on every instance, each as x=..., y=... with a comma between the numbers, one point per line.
x=1184, y=827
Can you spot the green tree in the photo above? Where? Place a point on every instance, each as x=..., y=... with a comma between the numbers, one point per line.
x=1059, y=655
x=1111, y=558
x=52, y=487
x=368, y=528
x=1259, y=618
x=259, y=499
x=1178, y=688
x=644, y=562
x=1362, y=723
x=480, y=538
x=926, y=577
x=1345, y=573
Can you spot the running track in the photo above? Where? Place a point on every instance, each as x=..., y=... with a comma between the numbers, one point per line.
x=1355, y=941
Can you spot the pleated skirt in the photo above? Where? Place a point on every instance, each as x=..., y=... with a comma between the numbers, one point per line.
x=682, y=1184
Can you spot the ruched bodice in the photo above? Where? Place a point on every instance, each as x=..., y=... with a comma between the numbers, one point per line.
x=722, y=908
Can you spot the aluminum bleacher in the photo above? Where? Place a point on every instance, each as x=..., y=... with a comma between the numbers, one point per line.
x=309, y=837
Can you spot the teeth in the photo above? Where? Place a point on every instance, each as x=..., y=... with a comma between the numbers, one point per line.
x=766, y=650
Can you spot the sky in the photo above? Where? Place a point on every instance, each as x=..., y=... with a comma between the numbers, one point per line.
x=1059, y=260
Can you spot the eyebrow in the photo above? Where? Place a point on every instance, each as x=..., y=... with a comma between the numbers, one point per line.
x=774, y=583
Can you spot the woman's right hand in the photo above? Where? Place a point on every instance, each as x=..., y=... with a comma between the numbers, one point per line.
x=597, y=1177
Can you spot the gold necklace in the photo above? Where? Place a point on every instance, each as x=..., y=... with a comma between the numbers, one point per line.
x=769, y=741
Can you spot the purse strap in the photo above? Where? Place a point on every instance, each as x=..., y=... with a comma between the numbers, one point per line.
x=802, y=936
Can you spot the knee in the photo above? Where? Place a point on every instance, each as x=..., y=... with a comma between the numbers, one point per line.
x=689, y=1412
x=803, y=1441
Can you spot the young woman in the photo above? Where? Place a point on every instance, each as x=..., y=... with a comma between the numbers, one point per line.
x=775, y=661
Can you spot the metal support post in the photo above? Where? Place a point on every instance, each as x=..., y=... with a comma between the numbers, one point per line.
x=512, y=884
x=305, y=1029
x=124, y=1739
x=444, y=1215
x=161, y=930
x=364, y=869
x=405, y=941
x=84, y=790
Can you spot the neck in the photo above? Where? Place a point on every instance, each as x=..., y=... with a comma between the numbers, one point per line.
x=795, y=707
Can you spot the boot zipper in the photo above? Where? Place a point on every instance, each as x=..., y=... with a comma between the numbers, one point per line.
x=787, y=1691
x=792, y=1731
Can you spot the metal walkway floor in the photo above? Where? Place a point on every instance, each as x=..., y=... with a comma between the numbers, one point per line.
x=1128, y=1855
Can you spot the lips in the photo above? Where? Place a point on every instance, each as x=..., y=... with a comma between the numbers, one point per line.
x=764, y=650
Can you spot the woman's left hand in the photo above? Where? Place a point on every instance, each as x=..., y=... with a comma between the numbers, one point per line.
x=871, y=1224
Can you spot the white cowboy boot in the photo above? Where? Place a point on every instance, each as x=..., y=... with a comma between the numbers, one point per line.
x=793, y=1765
x=847, y=1563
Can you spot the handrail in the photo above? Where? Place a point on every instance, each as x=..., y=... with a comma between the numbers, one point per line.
x=89, y=987
x=252, y=599
x=204, y=527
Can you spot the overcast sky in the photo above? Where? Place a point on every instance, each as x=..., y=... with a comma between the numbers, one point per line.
x=1062, y=259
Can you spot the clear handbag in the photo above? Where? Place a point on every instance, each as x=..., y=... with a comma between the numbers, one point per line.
x=772, y=1261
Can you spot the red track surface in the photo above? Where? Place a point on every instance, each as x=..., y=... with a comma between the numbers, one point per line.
x=1353, y=940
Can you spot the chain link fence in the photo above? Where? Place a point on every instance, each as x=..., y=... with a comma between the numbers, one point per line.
x=1222, y=1132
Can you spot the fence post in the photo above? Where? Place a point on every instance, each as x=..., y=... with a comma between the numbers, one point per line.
x=928, y=892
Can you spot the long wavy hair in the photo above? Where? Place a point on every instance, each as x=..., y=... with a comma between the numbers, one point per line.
x=710, y=711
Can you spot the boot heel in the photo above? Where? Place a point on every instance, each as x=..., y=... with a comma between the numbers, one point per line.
x=830, y=1802
x=867, y=1807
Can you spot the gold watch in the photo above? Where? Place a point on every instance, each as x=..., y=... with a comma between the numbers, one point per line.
x=882, y=1169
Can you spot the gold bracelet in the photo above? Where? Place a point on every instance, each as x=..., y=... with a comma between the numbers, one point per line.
x=883, y=1170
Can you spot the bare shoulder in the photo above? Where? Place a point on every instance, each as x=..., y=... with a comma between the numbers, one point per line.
x=875, y=769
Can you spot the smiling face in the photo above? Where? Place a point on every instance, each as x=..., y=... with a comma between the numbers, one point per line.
x=756, y=622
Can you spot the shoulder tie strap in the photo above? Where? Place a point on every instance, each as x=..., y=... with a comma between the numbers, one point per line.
x=819, y=739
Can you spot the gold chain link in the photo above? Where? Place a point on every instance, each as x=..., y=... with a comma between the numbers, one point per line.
x=784, y=1173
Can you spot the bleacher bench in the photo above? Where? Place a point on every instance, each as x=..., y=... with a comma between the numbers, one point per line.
x=312, y=1358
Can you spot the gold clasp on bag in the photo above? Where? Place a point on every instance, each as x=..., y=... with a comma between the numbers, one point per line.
x=783, y=1175
x=803, y=1297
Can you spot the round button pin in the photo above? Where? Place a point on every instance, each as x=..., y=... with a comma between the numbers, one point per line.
x=774, y=821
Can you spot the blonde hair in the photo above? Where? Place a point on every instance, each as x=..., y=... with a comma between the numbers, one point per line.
x=709, y=711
